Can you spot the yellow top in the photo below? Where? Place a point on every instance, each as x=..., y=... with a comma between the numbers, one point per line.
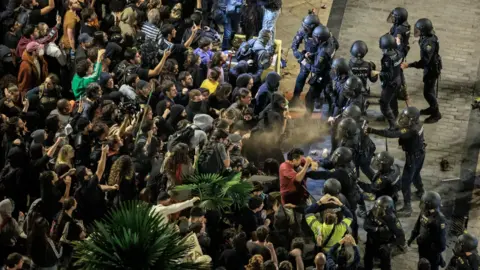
x=210, y=85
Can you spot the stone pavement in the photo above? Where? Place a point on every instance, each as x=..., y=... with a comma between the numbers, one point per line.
x=457, y=26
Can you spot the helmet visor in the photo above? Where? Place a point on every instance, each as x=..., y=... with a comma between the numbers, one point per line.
x=391, y=18
x=403, y=121
x=376, y=163
x=378, y=211
x=416, y=32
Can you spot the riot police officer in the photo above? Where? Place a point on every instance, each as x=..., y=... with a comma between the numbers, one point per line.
x=411, y=139
x=430, y=230
x=361, y=68
x=352, y=92
x=390, y=77
x=327, y=46
x=345, y=172
x=339, y=74
x=401, y=31
x=465, y=255
x=304, y=57
x=431, y=62
x=384, y=233
x=386, y=181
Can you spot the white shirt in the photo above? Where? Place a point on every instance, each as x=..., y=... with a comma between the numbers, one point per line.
x=171, y=209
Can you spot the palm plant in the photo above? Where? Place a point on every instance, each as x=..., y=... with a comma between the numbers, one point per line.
x=218, y=192
x=133, y=237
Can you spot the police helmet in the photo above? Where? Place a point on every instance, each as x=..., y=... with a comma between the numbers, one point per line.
x=387, y=42
x=430, y=200
x=347, y=128
x=382, y=206
x=359, y=49
x=466, y=243
x=310, y=22
x=423, y=27
x=340, y=66
x=352, y=111
x=409, y=117
x=332, y=187
x=321, y=33
x=383, y=161
x=353, y=87
x=342, y=156
x=398, y=16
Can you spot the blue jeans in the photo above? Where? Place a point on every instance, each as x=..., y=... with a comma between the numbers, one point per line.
x=411, y=174
x=269, y=20
x=230, y=26
x=301, y=80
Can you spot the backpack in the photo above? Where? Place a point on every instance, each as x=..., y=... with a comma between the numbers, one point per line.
x=210, y=160
x=149, y=52
x=184, y=135
x=245, y=51
x=23, y=16
x=122, y=70
x=213, y=35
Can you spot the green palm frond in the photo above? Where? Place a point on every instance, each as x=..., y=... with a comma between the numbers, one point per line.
x=132, y=237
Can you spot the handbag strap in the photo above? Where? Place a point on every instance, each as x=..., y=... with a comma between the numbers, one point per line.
x=324, y=243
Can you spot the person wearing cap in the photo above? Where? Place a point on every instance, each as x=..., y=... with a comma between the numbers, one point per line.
x=33, y=69
x=86, y=75
x=165, y=208
x=86, y=42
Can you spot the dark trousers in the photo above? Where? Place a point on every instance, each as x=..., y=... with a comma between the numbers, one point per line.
x=364, y=165
x=411, y=174
x=377, y=251
x=314, y=93
x=388, y=101
x=429, y=84
x=230, y=26
x=301, y=79
x=435, y=259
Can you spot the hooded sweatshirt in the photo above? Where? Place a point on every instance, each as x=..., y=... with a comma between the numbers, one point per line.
x=205, y=123
x=266, y=90
x=38, y=136
x=173, y=118
x=239, y=69
x=241, y=82
x=10, y=230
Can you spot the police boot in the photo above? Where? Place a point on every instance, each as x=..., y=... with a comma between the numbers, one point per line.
x=405, y=211
x=434, y=117
x=427, y=111
x=397, y=250
x=362, y=210
x=392, y=125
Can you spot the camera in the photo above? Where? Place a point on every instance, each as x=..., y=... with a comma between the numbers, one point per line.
x=129, y=107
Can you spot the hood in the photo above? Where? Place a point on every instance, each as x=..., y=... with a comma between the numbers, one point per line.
x=38, y=136
x=243, y=80
x=277, y=101
x=273, y=81
x=175, y=115
x=16, y=157
x=203, y=121
x=128, y=16
x=36, y=151
x=6, y=207
x=240, y=68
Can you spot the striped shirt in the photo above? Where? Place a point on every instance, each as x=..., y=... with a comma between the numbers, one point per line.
x=151, y=31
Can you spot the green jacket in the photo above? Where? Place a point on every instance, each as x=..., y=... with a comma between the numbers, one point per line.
x=79, y=84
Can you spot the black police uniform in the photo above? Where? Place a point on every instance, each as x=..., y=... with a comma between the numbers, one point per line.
x=387, y=183
x=401, y=28
x=339, y=75
x=382, y=232
x=304, y=35
x=411, y=138
x=431, y=63
x=352, y=91
x=328, y=45
x=431, y=237
x=361, y=68
x=391, y=80
x=465, y=255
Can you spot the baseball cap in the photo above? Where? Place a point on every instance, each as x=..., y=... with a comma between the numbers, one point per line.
x=34, y=46
x=5, y=54
x=85, y=38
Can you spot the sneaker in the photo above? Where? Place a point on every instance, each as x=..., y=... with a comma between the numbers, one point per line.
x=405, y=211
x=433, y=118
x=427, y=111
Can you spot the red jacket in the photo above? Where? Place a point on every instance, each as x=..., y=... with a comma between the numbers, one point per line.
x=28, y=74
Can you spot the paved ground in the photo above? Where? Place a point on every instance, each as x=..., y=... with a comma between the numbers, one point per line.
x=457, y=26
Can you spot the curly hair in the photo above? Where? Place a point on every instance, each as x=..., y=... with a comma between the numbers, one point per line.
x=123, y=168
x=179, y=155
x=255, y=263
